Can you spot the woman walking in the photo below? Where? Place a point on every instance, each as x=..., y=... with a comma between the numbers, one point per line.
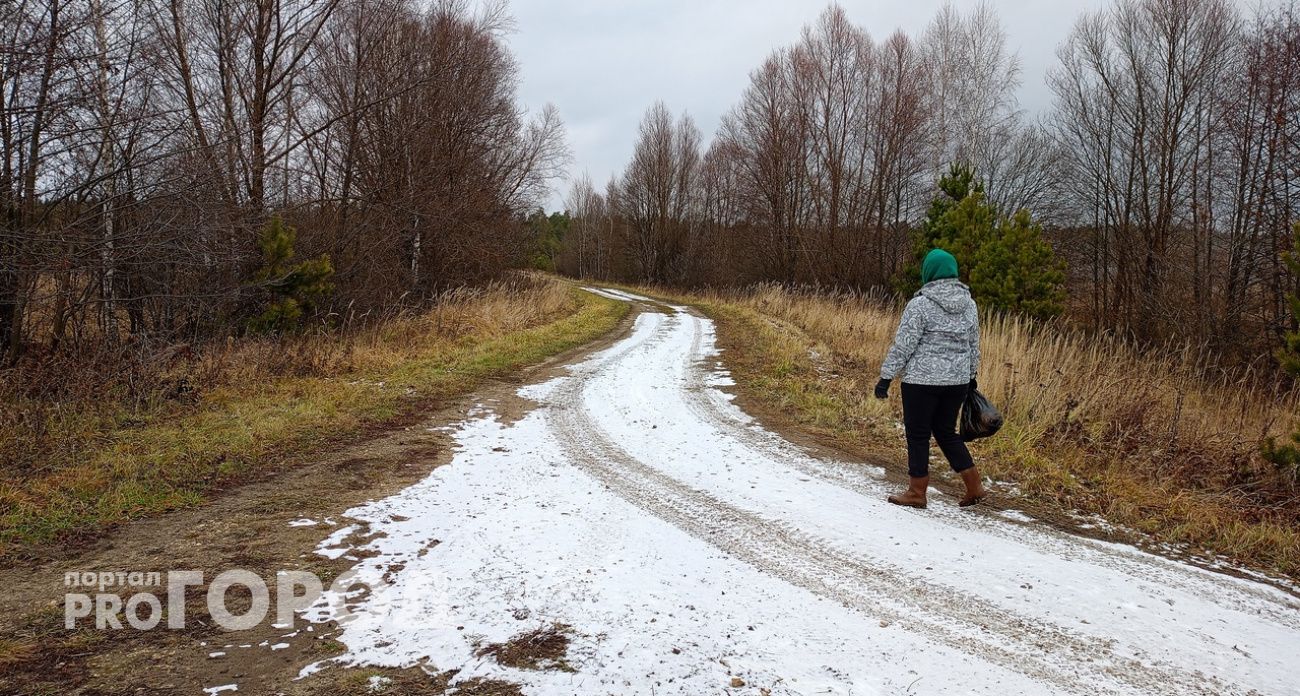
x=937, y=350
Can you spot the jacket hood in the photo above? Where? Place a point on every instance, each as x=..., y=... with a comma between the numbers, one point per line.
x=949, y=294
x=938, y=264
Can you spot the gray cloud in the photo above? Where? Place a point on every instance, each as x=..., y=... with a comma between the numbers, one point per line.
x=603, y=63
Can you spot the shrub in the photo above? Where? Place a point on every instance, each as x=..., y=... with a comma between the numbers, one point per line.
x=290, y=289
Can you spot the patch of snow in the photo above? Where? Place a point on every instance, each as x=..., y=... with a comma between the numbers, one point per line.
x=333, y=547
x=312, y=668
x=613, y=294
x=214, y=690
x=608, y=294
x=302, y=522
x=1016, y=515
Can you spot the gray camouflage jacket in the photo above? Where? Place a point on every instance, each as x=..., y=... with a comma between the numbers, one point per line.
x=938, y=340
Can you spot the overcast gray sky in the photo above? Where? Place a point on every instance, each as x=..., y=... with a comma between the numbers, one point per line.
x=603, y=62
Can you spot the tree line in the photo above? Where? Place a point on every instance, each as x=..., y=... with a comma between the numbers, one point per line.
x=1165, y=177
x=175, y=169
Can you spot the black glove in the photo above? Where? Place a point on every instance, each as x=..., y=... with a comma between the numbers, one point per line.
x=882, y=388
x=973, y=384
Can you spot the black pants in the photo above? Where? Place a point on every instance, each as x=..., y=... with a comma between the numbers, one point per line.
x=927, y=411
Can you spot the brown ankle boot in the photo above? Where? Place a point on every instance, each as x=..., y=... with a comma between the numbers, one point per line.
x=974, y=488
x=915, y=494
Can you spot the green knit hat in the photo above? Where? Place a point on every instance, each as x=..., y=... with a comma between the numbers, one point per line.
x=938, y=264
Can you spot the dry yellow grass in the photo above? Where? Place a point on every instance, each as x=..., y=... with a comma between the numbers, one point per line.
x=1152, y=442
x=72, y=466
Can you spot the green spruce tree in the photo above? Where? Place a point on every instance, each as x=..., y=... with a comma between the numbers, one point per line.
x=1016, y=270
x=966, y=229
x=289, y=290
x=1287, y=457
x=1004, y=259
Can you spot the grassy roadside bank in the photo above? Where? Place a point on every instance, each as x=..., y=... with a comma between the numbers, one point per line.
x=1151, y=443
x=260, y=406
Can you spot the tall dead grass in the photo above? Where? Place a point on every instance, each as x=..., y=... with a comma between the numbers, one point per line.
x=378, y=345
x=1161, y=441
x=53, y=407
x=86, y=443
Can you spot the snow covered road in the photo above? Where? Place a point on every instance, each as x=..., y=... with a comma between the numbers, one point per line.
x=689, y=551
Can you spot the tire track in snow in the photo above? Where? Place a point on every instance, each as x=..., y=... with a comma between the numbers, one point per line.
x=868, y=585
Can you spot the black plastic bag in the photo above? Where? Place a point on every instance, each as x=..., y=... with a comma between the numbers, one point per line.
x=979, y=417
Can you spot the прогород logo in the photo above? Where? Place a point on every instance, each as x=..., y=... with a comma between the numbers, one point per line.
x=154, y=595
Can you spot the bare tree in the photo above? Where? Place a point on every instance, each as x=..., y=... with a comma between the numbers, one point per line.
x=656, y=196
x=37, y=80
x=588, y=248
x=1257, y=158
x=830, y=67
x=899, y=132
x=767, y=133
x=975, y=79
x=1135, y=99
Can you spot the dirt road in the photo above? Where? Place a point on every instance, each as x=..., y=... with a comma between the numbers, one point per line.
x=679, y=547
